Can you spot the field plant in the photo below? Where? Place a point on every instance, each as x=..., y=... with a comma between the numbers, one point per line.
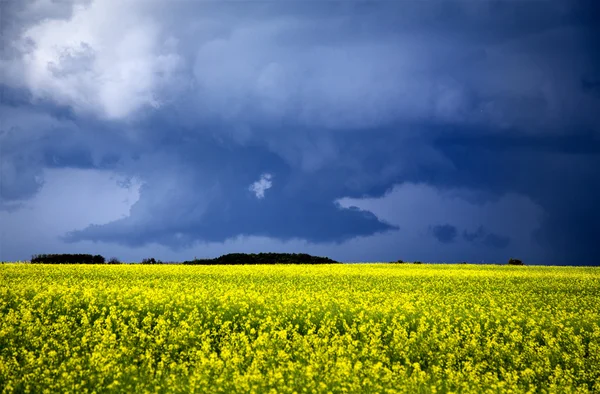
x=376, y=328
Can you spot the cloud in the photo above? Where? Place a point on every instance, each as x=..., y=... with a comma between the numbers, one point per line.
x=547, y=169
x=496, y=241
x=108, y=59
x=259, y=187
x=475, y=235
x=488, y=239
x=343, y=101
x=193, y=189
x=69, y=198
x=417, y=209
x=445, y=233
x=284, y=63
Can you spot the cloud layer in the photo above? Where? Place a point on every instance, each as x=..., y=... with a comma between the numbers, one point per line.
x=242, y=119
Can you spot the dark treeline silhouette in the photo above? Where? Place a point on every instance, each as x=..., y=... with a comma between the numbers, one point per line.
x=67, y=259
x=405, y=262
x=263, y=258
x=151, y=260
x=228, y=259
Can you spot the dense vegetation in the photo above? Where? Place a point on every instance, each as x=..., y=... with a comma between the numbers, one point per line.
x=379, y=328
x=263, y=258
x=67, y=259
x=228, y=259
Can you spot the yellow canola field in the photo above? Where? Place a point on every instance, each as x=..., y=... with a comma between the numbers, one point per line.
x=368, y=328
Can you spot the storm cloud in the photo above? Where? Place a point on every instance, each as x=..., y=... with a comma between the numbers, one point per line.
x=309, y=124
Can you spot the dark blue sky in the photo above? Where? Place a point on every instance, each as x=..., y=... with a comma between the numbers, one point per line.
x=364, y=131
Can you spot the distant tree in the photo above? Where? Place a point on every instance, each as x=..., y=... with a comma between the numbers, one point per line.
x=197, y=261
x=114, y=260
x=151, y=260
x=398, y=262
x=417, y=262
x=515, y=262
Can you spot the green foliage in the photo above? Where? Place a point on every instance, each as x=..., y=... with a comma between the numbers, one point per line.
x=114, y=260
x=515, y=262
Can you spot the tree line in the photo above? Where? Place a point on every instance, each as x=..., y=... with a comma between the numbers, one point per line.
x=67, y=259
x=227, y=259
x=263, y=258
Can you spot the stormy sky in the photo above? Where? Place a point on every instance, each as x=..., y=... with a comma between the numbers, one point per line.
x=427, y=130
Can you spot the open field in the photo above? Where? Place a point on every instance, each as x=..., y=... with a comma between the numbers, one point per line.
x=331, y=328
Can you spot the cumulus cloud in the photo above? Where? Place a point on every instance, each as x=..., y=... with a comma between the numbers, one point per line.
x=108, y=58
x=259, y=187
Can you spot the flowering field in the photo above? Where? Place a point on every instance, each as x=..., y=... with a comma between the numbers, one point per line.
x=350, y=328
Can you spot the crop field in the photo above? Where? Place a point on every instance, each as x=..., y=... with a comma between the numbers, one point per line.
x=368, y=328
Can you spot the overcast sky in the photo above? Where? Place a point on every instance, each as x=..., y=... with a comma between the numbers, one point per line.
x=363, y=131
